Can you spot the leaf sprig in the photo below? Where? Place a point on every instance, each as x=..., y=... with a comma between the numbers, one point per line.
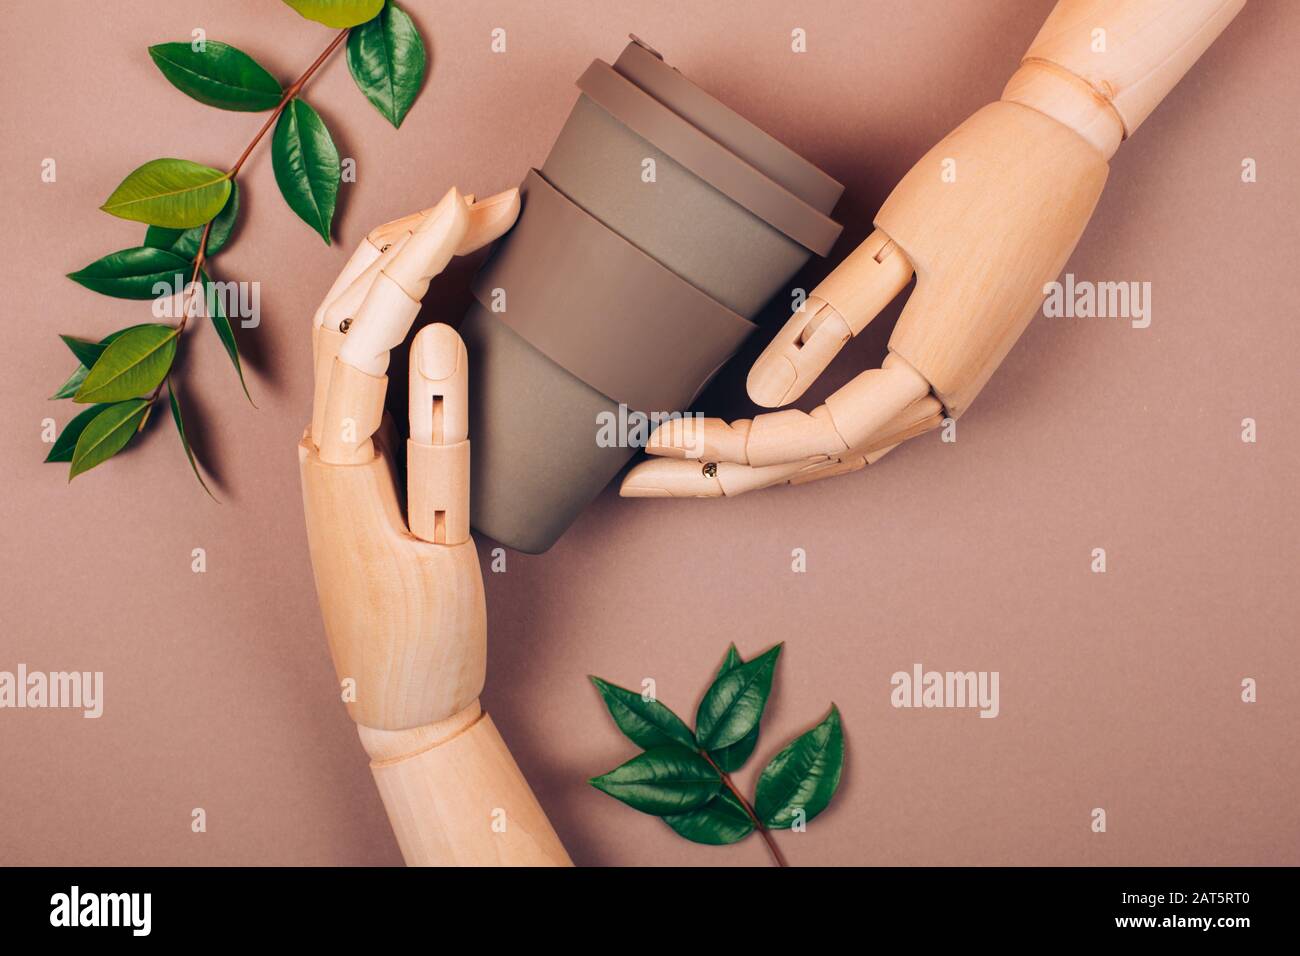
x=684, y=776
x=191, y=210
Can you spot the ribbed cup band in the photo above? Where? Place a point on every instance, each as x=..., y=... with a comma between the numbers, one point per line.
x=602, y=309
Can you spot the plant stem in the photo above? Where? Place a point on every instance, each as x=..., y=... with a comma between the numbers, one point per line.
x=186, y=299
x=763, y=831
x=289, y=94
x=200, y=257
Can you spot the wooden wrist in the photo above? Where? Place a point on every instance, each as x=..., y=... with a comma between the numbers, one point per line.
x=1057, y=93
x=456, y=797
x=1126, y=55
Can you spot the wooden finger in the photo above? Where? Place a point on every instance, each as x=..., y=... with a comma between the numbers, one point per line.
x=438, y=451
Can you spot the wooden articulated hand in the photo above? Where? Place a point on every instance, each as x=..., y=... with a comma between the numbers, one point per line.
x=984, y=220
x=402, y=596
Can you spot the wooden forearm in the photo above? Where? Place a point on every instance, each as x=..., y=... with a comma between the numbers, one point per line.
x=455, y=796
x=1101, y=66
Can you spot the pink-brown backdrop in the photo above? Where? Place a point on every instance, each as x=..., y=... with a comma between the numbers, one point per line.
x=1119, y=690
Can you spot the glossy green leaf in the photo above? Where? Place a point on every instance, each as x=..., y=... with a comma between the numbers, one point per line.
x=185, y=242
x=733, y=705
x=337, y=13
x=803, y=776
x=306, y=165
x=107, y=434
x=387, y=60
x=218, y=75
x=132, y=365
x=661, y=781
x=732, y=758
x=170, y=192
x=86, y=351
x=647, y=723
x=217, y=314
x=720, y=821
x=730, y=661
x=69, y=388
x=185, y=442
x=135, y=273
x=63, y=446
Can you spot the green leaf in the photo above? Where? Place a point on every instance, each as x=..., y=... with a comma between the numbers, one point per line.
x=69, y=388
x=217, y=313
x=134, y=273
x=803, y=776
x=647, y=723
x=733, y=706
x=185, y=242
x=306, y=165
x=107, y=434
x=218, y=75
x=63, y=446
x=131, y=365
x=337, y=13
x=661, y=781
x=387, y=60
x=720, y=821
x=86, y=351
x=170, y=192
x=185, y=442
x=732, y=758
x=730, y=661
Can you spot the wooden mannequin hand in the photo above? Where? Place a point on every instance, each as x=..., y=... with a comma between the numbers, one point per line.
x=985, y=219
x=402, y=596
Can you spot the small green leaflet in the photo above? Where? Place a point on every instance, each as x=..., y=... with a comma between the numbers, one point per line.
x=732, y=758
x=803, y=776
x=170, y=192
x=646, y=723
x=720, y=821
x=185, y=242
x=139, y=273
x=337, y=13
x=67, y=440
x=185, y=442
x=132, y=365
x=732, y=707
x=87, y=352
x=217, y=314
x=387, y=59
x=306, y=165
x=107, y=434
x=661, y=781
x=218, y=75
x=69, y=388
x=84, y=349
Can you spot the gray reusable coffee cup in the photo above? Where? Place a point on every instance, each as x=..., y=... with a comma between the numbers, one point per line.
x=659, y=225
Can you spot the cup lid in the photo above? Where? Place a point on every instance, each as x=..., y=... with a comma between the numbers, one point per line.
x=724, y=170
x=645, y=66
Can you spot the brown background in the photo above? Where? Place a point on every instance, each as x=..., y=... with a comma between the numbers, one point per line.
x=1118, y=690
